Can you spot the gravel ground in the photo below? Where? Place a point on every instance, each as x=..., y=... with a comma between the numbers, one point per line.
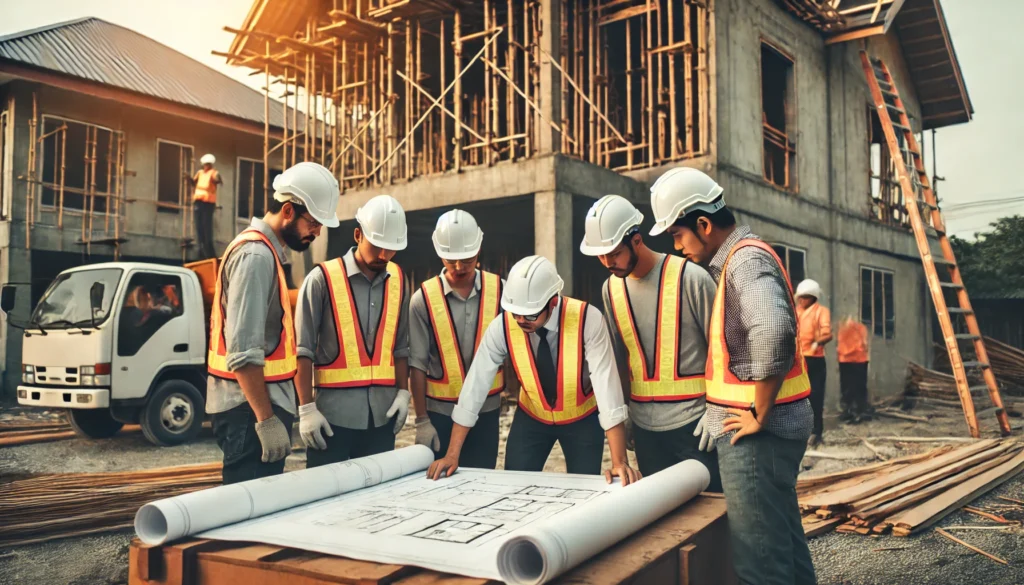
x=926, y=559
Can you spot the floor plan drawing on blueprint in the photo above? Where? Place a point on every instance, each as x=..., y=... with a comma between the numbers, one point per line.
x=520, y=527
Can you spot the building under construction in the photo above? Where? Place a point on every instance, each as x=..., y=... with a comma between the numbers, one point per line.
x=523, y=112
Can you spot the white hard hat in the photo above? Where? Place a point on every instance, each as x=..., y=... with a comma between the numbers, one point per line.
x=208, y=159
x=808, y=288
x=530, y=285
x=314, y=186
x=680, y=191
x=382, y=220
x=607, y=222
x=457, y=236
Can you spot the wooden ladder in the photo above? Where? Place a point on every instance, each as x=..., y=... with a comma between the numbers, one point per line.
x=918, y=194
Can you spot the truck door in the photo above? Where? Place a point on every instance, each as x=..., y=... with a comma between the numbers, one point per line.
x=151, y=332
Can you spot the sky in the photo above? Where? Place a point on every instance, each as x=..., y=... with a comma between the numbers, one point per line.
x=979, y=160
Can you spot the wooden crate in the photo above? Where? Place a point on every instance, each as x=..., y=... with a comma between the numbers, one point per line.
x=689, y=546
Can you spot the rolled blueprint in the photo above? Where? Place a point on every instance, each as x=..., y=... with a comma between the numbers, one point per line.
x=173, y=518
x=540, y=553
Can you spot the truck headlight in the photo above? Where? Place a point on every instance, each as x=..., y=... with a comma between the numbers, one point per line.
x=88, y=380
x=28, y=373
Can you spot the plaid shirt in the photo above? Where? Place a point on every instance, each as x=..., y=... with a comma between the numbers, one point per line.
x=760, y=331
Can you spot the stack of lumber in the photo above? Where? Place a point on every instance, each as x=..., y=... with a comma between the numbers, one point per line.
x=908, y=494
x=24, y=431
x=47, y=507
x=1007, y=364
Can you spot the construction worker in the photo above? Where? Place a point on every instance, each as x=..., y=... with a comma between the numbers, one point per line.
x=353, y=323
x=658, y=308
x=815, y=331
x=204, y=202
x=252, y=356
x=854, y=354
x=570, y=403
x=449, y=316
x=758, y=413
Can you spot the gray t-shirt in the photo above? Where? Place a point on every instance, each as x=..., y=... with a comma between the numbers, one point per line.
x=694, y=317
x=423, y=354
x=351, y=408
x=252, y=321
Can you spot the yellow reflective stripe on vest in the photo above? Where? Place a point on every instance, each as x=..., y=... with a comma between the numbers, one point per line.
x=572, y=405
x=453, y=371
x=665, y=385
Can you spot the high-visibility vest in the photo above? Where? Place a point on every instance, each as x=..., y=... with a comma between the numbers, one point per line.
x=574, y=401
x=852, y=345
x=723, y=387
x=206, y=186
x=355, y=366
x=453, y=369
x=280, y=364
x=810, y=328
x=664, y=384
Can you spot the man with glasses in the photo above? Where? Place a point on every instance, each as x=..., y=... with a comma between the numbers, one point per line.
x=252, y=355
x=352, y=322
x=449, y=316
x=562, y=355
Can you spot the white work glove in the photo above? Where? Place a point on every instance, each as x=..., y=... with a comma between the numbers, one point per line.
x=312, y=425
x=274, y=438
x=814, y=347
x=426, y=434
x=401, y=407
x=706, y=442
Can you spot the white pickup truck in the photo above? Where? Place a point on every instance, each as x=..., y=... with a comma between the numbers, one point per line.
x=120, y=343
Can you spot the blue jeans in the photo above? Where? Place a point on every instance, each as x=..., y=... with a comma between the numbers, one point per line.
x=759, y=479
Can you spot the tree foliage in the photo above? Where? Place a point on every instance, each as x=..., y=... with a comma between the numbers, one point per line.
x=992, y=265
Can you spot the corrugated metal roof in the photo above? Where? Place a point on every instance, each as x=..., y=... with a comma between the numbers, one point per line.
x=96, y=50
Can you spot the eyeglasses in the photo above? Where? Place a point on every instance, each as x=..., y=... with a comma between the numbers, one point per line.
x=531, y=318
x=312, y=222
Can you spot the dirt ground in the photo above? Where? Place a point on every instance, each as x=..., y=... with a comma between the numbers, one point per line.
x=927, y=559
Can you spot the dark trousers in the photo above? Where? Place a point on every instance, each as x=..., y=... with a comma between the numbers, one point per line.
x=657, y=450
x=530, y=441
x=352, y=443
x=203, y=218
x=853, y=388
x=816, y=372
x=759, y=478
x=243, y=454
x=480, y=449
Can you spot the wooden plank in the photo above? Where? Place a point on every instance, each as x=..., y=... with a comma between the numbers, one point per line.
x=432, y=578
x=812, y=529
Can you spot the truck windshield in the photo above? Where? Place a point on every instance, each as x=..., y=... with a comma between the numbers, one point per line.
x=66, y=303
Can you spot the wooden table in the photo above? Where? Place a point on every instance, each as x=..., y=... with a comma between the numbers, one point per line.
x=689, y=546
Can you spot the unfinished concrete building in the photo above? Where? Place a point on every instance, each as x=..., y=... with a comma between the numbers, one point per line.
x=523, y=112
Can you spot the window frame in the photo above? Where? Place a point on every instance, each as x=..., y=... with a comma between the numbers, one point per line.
x=5, y=118
x=107, y=195
x=887, y=333
x=238, y=185
x=790, y=97
x=162, y=206
x=127, y=286
x=785, y=260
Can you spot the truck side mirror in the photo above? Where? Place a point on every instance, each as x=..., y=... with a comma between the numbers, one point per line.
x=7, y=296
x=96, y=297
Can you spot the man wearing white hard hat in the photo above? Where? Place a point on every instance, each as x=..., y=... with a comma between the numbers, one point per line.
x=449, y=314
x=569, y=403
x=658, y=307
x=204, y=203
x=252, y=355
x=815, y=331
x=756, y=380
x=353, y=325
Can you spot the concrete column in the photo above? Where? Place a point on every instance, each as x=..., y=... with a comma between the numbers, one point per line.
x=549, y=139
x=552, y=231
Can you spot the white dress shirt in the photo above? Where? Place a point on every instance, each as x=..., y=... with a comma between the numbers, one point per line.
x=597, y=351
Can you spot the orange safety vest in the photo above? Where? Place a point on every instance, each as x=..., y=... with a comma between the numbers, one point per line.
x=574, y=402
x=206, y=186
x=810, y=321
x=453, y=370
x=852, y=346
x=280, y=364
x=723, y=387
x=664, y=384
x=355, y=367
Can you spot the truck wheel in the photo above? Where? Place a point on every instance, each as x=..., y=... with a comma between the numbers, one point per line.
x=93, y=423
x=174, y=414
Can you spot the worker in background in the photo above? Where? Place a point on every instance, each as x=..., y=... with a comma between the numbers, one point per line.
x=449, y=316
x=252, y=356
x=815, y=331
x=658, y=308
x=570, y=402
x=204, y=202
x=353, y=324
x=854, y=355
x=758, y=412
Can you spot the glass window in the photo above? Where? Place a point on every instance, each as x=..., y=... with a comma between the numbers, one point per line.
x=79, y=161
x=174, y=163
x=877, y=302
x=793, y=260
x=250, y=188
x=150, y=301
x=66, y=303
